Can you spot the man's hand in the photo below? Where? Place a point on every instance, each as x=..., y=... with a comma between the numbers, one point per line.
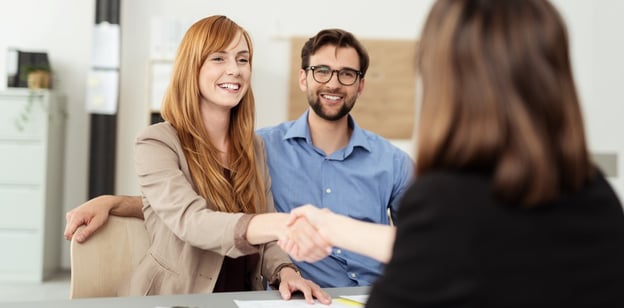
x=305, y=239
x=303, y=242
x=366, y=238
x=93, y=214
x=291, y=281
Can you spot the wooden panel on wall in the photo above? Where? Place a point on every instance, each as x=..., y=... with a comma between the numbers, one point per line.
x=387, y=104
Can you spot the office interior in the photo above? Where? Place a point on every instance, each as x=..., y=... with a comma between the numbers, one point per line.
x=65, y=30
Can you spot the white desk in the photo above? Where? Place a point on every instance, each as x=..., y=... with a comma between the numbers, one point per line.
x=214, y=300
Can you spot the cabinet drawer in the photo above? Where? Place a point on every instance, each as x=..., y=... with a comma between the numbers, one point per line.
x=13, y=125
x=21, y=255
x=22, y=163
x=21, y=207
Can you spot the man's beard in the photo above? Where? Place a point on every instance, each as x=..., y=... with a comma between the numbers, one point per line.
x=314, y=100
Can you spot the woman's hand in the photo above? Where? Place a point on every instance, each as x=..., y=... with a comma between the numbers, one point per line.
x=318, y=217
x=303, y=241
x=369, y=239
x=291, y=281
x=307, y=246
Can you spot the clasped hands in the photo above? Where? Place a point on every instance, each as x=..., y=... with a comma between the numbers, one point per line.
x=306, y=236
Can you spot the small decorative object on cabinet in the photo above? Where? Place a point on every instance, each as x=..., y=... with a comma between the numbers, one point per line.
x=39, y=78
x=32, y=129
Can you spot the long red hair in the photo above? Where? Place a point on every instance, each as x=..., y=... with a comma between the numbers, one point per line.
x=244, y=190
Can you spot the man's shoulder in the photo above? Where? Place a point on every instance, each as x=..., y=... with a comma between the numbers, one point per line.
x=380, y=143
x=275, y=132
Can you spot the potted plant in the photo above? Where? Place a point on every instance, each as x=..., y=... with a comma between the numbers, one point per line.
x=37, y=76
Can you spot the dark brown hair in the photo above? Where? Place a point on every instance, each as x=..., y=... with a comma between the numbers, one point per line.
x=338, y=38
x=499, y=96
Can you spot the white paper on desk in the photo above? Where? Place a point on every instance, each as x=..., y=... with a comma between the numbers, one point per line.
x=293, y=303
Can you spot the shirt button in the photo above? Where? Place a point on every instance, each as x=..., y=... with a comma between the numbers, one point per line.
x=353, y=275
x=328, y=190
x=338, y=251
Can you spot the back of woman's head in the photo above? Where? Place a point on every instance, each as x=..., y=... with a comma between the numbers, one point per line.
x=499, y=96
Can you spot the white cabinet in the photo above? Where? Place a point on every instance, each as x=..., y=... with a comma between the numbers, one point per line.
x=32, y=129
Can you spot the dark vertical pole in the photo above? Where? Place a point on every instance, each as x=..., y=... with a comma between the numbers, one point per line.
x=103, y=145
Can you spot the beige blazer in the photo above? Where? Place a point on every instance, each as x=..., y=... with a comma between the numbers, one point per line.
x=188, y=239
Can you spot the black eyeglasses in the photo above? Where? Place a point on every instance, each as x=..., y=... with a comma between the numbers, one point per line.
x=323, y=74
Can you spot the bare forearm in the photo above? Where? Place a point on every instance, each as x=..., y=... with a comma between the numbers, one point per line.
x=94, y=213
x=126, y=206
x=370, y=239
x=265, y=228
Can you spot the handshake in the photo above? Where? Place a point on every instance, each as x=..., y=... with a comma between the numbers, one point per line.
x=311, y=232
x=307, y=234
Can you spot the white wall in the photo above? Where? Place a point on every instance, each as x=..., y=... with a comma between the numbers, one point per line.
x=64, y=29
x=597, y=46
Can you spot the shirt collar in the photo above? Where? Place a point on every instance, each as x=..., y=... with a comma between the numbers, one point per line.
x=301, y=129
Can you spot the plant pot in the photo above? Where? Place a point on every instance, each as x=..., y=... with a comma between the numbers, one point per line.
x=39, y=79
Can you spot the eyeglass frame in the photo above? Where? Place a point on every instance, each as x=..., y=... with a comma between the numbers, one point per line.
x=358, y=74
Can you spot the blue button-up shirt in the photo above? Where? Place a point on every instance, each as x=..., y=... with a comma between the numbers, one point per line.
x=360, y=181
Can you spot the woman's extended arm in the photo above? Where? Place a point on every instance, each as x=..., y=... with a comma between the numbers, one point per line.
x=370, y=239
x=273, y=226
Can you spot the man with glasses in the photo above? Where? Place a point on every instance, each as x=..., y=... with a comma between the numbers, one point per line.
x=323, y=158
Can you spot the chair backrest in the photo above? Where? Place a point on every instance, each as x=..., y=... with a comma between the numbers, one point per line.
x=101, y=263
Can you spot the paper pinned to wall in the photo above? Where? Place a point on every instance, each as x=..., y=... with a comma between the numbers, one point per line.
x=102, y=91
x=166, y=33
x=106, y=46
x=160, y=74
